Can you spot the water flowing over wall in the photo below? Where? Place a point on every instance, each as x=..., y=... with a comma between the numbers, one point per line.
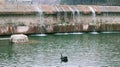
x=30, y=19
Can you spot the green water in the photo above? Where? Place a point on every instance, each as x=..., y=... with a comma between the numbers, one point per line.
x=82, y=50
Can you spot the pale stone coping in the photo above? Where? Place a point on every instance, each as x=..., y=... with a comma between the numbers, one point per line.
x=50, y=9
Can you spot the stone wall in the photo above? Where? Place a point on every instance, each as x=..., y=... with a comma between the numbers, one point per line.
x=28, y=20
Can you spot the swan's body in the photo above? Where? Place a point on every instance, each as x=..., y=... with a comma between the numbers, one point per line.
x=64, y=58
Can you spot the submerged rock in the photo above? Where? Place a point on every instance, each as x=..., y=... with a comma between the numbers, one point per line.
x=19, y=38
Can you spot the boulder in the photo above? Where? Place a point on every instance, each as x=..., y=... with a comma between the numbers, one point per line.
x=19, y=38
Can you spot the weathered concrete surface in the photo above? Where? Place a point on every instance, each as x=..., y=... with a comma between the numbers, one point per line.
x=17, y=9
x=59, y=29
x=26, y=19
x=50, y=9
x=2, y=2
x=28, y=14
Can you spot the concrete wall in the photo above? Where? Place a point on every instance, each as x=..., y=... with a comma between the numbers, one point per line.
x=26, y=19
x=2, y=1
x=53, y=19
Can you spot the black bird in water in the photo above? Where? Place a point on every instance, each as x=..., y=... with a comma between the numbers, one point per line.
x=64, y=58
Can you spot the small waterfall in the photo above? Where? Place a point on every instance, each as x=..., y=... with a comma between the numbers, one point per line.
x=105, y=10
x=93, y=14
x=65, y=15
x=78, y=15
x=40, y=15
x=106, y=14
x=73, y=13
x=58, y=13
x=94, y=19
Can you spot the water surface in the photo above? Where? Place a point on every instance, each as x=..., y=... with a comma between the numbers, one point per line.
x=83, y=50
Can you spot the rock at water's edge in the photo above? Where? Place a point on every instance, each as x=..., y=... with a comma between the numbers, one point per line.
x=19, y=38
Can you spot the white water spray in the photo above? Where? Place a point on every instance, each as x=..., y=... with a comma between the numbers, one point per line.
x=58, y=13
x=94, y=18
x=93, y=14
x=73, y=13
x=65, y=14
x=40, y=15
x=78, y=15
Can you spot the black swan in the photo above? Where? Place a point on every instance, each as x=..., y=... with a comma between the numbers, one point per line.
x=64, y=58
